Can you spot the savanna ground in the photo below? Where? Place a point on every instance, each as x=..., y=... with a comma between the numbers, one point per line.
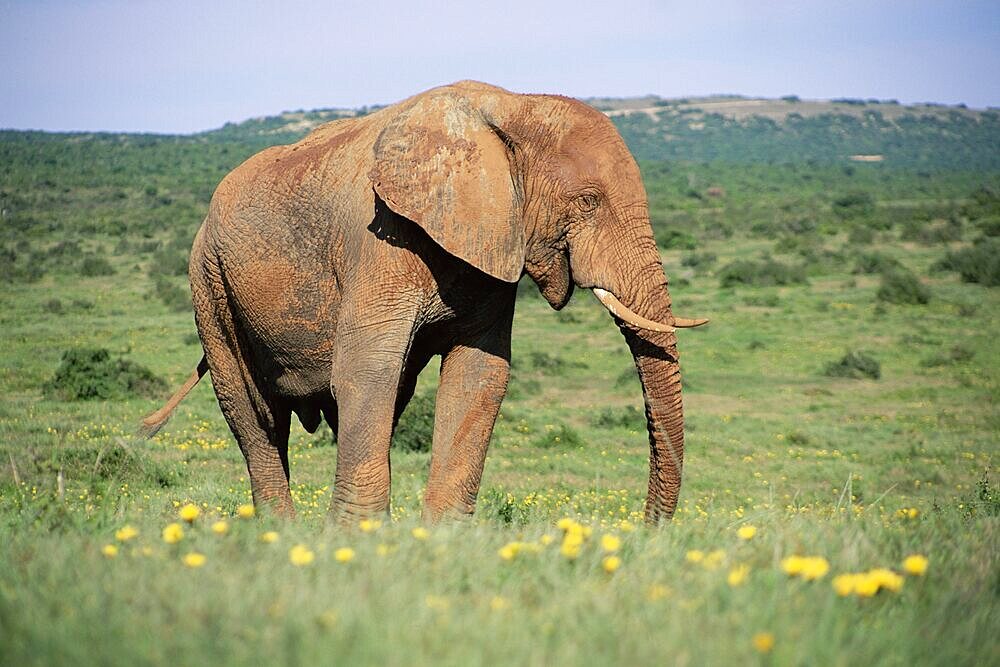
x=796, y=266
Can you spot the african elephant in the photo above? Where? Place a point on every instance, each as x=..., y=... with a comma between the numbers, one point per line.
x=328, y=272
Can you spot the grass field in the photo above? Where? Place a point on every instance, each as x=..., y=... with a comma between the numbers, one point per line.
x=861, y=473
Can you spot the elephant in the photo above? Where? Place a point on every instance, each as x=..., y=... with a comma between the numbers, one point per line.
x=328, y=272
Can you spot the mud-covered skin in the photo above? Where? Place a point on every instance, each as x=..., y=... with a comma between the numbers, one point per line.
x=328, y=273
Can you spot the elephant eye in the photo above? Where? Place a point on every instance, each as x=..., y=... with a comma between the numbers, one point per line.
x=587, y=202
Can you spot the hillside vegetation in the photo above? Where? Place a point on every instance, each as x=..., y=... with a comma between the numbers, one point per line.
x=842, y=422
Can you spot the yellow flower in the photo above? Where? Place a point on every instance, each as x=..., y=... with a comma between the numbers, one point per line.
x=886, y=579
x=146, y=551
x=713, y=559
x=611, y=563
x=194, y=559
x=866, y=586
x=763, y=642
x=694, y=556
x=382, y=550
x=369, y=525
x=328, y=619
x=793, y=565
x=220, y=527
x=245, y=511
x=738, y=575
x=269, y=537
x=109, y=550
x=845, y=584
x=815, y=567
x=626, y=526
x=189, y=512
x=343, y=555
x=565, y=524
x=746, y=532
x=546, y=540
x=301, y=555
x=915, y=564
x=126, y=533
x=498, y=603
x=508, y=551
x=420, y=533
x=657, y=592
x=610, y=543
x=570, y=548
x=173, y=533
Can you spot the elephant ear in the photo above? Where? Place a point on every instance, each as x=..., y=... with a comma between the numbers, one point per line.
x=443, y=165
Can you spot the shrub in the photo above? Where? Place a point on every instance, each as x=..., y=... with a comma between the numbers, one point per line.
x=626, y=417
x=91, y=373
x=956, y=355
x=979, y=263
x=563, y=436
x=415, y=430
x=175, y=298
x=674, y=239
x=874, y=262
x=902, y=287
x=857, y=365
x=861, y=235
x=853, y=205
x=760, y=274
x=95, y=265
x=168, y=263
x=54, y=306
x=699, y=260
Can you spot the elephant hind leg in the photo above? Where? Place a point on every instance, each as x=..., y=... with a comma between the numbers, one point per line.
x=259, y=420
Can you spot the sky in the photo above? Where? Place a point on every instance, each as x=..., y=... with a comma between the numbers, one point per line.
x=178, y=66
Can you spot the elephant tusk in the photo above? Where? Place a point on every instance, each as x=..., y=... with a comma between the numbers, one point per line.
x=685, y=323
x=619, y=310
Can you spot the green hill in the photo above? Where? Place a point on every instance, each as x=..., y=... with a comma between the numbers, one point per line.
x=751, y=130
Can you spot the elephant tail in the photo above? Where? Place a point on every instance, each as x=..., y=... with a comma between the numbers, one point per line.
x=157, y=420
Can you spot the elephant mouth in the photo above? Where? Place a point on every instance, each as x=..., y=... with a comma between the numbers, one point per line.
x=622, y=312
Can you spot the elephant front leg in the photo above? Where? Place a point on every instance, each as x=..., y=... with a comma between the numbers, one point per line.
x=368, y=363
x=473, y=383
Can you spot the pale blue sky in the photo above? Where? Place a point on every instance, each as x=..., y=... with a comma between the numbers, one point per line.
x=181, y=66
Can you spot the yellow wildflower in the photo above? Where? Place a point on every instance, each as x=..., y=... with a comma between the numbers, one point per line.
x=763, y=642
x=420, y=533
x=915, y=564
x=126, y=533
x=220, y=527
x=610, y=543
x=173, y=533
x=611, y=563
x=626, y=526
x=300, y=555
x=499, y=603
x=570, y=548
x=657, y=592
x=369, y=525
x=793, y=565
x=546, y=540
x=189, y=512
x=738, y=575
x=194, y=559
x=713, y=559
x=565, y=524
x=245, y=511
x=269, y=537
x=886, y=579
x=343, y=555
x=382, y=550
x=109, y=550
x=815, y=567
x=746, y=532
x=508, y=551
x=694, y=556
x=845, y=584
x=866, y=586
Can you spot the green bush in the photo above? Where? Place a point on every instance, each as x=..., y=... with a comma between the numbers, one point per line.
x=174, y=297
x=874, y=262
x=958, y=354
x=902, y=287
x=857, y=365
x=628, y=417
x=861, y=235
x=699, y=260
x=415, y=430
x=167, y=262
x=95, y=265
x=760, y=274
x=853, y=205
x=674, y=239
x=91, y=373
x=563, y=436
x=979, y=263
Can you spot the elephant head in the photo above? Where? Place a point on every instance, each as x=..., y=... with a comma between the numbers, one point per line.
x=544, y=185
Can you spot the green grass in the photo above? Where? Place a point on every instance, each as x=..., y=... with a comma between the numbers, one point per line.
x=820, y=465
